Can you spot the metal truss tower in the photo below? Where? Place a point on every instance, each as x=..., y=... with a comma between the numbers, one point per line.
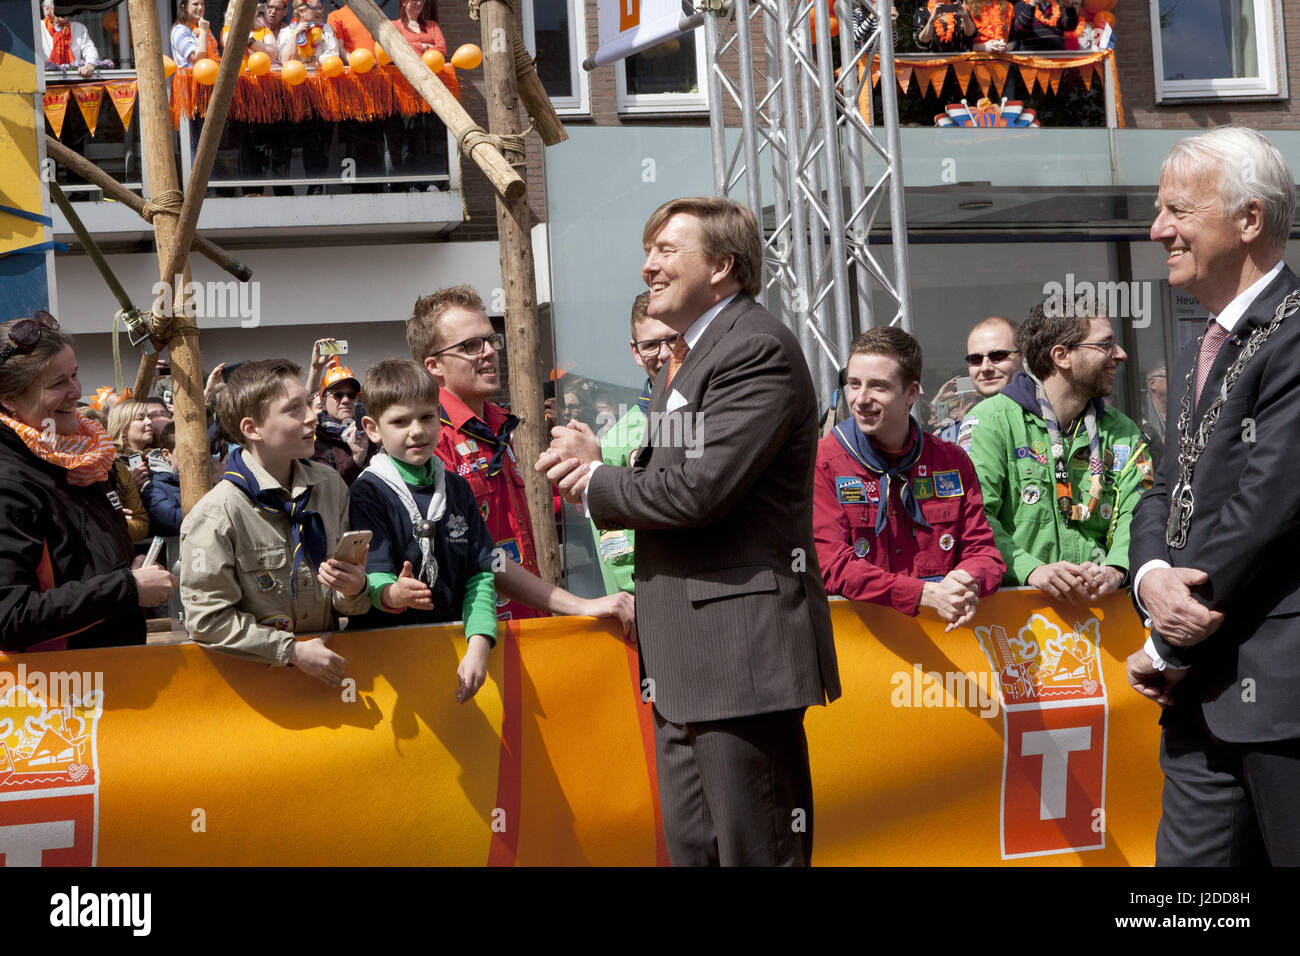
x=821, y=150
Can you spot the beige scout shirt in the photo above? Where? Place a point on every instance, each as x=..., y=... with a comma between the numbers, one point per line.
x=235, y=568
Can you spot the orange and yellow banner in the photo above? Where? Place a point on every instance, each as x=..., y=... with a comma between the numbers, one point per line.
x=89, y=96
x=122, y=93
x=56, y=107
x=1016, y=740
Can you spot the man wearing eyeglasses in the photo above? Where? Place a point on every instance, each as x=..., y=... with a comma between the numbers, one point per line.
x=1061, y=470
x=651, y=345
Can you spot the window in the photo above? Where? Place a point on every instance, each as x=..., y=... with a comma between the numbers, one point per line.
x=664, y=78
x=1216, y=49
x=555, y=32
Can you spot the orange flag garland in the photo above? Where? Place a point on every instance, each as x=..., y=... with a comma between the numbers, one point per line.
x=56, y=107
x=89, y=96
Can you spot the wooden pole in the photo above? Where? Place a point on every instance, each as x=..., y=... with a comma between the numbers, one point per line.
x=531, y=91
x=515, y=242
x=504, y=180
x=91, y=173
x=192, y=457
x=214, y=124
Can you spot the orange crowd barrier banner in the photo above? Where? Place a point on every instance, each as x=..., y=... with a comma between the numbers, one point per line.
x=1015, y=741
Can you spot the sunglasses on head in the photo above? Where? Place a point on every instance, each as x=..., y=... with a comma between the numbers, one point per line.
x=25, y=333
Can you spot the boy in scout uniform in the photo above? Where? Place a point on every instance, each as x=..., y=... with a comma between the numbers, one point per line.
x=256, y=565
x=897, y=514
x=1061, y=470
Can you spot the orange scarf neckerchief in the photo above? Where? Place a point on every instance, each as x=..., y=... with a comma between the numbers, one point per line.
x=61, y=52
x=1051, y=21
x=87, y=454
x=993, y=22
x=213, y=52
x=306, y=39
x=945, y=26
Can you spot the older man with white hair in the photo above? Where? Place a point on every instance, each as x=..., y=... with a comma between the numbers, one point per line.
x=66, y=42
x=1213, y=541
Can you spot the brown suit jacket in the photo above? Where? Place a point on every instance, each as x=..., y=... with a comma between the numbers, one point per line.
x=731, y=612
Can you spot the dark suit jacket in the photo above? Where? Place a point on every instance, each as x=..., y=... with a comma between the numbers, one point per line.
x=1243, y=534
x=731, y=613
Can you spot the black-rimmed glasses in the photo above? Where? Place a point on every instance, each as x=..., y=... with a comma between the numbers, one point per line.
x=649, y=348
x=25, y=333
x=474, y=345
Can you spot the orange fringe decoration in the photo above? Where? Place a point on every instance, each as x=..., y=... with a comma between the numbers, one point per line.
x=383, y=91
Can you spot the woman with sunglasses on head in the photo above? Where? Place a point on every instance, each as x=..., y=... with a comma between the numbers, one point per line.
x=67, y=575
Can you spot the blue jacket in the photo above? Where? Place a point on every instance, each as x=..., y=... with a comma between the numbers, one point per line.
x=162, y=499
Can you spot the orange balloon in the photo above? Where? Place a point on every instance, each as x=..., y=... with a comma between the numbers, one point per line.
x=1104, y=19
x=169, y=66
x=293, y=72
x=1095, y=7
x=361, y=60
x=381, y=56
x=259, y=64
x=331, y=65
x=435, y=60
x=835, y=27
x=467, y=57
x=1109, y=4
x=205, y=71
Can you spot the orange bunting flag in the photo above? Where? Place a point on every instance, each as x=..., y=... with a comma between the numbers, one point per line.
x=904, y=77
x=1029, y=74
x=122, y=93
x=1054, y=79
x=932, y=77
x=89, y=96
x=963, y=68
x=1000, y=70
x=56, y=107
x=983, y=76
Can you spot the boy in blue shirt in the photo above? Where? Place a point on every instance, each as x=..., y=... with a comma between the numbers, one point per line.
x=430, y=558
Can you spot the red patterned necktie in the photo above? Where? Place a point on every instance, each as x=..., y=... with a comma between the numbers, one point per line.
x=1215, y=336
x=680, y=349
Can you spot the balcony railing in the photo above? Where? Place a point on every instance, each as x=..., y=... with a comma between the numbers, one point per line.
x=316, y=157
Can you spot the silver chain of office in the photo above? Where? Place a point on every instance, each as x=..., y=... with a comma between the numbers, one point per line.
x=1190, y=446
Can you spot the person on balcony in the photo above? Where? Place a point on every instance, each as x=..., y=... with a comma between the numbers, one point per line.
x=993, y=19
x=308, y=38
x=1043, y=24
x=942, y=27
x=191, y=36
x=67, y=43
x=424, y=137
x=363, y=140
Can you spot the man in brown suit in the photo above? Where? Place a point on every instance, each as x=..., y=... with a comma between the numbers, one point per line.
x=734, y=630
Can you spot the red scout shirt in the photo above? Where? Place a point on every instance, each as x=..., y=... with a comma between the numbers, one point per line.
x=501, y=499
x=892, y=569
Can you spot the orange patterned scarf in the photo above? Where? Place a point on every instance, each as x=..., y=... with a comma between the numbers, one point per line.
x=1052, y=19
x=61, y=52
x=993, y=22
x=946, y=25
x=87, y=454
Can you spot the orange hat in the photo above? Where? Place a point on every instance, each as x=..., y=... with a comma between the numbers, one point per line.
x=105, y=392
x=338, y=373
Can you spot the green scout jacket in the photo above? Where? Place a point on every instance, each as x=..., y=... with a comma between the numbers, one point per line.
x=615, y=548
x=1007, y=441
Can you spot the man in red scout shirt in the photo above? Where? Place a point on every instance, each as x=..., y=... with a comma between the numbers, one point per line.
x=450, y=333
x=897, y=514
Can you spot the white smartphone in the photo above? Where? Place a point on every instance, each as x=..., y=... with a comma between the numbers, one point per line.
x=133, y=460
x=352, y=547
x=154, y=548
x=337, y=347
